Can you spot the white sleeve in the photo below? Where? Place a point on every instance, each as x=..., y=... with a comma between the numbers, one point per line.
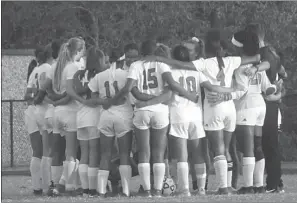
x=235, y=62
x=93, y=84
x=199, y=65
x=133, y=71
x=71, y=70
x=164, y=68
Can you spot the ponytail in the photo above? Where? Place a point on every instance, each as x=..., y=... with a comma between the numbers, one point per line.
x=63, y=58
x=31, y=67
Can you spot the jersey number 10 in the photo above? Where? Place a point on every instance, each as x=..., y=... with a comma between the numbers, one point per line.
x=191, y=83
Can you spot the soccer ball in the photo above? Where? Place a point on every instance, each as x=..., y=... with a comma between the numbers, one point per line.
x=169, y=186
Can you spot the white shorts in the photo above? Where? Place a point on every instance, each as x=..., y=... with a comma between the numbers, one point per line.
x=144, y=119
x=30, y=120
x=220, y=117
x=191, y=130
x=112, y=125
x=64, y=121
x=87, y=133
x=87, y=117
x=49, y=114
x=252, y=116
x=40, y=118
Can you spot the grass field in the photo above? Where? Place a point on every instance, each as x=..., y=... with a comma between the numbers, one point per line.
x=18, y=189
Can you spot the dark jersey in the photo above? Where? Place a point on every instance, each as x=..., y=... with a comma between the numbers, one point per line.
x=269, y=54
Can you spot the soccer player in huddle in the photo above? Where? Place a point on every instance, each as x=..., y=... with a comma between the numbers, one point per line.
x=251, y=110
x=219, y=120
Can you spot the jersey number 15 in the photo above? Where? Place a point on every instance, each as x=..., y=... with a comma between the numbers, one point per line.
x=150, y=81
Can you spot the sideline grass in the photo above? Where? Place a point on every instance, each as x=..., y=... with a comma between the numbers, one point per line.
x=18, y=189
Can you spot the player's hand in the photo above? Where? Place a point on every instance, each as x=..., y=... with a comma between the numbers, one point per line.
x=250, y=71
x=194, y=97
x=279, y=85
x=215, y=98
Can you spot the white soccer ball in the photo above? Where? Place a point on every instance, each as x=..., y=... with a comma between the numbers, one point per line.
x=169, y=186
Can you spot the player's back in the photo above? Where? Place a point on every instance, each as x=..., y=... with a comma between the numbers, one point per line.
x=149, y=79
x=182, y=109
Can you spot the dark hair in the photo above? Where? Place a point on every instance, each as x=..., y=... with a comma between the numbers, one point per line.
x=31, y=67
x=93, y=61
x=56, y=45
x=198, y=46
x=181, y=53
x=256, y=28
x=131, y=46
x=115, y=54
x=249, y=41
x=161, y=51
x=213, y=46
x=148, y=47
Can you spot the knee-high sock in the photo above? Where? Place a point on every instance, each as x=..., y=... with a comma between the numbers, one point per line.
x=71, y=178
x=83, y=175
x=92, y=176
x=259, y=173
x=35, y=172
x=159, y=173
x=126, y=173
x=248, y=165
x=200, y=170
x=56, y=172
x=183, y=175
x=45, y=164
x=221, y=169
x=145, y=175
x=64, y=173
x=102, y=181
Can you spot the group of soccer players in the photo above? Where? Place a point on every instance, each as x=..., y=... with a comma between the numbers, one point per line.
x=180, y=103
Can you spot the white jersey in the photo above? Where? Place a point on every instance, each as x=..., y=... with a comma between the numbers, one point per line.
x=210, y=68
x=107, y=84
x=254, y=86
x=182, y=109
x=67, y=74
x=149, y=80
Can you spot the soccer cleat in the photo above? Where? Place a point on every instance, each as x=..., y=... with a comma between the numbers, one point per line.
x=157, y=193
x=121, y=194
x=140, y=190
x=259, y=190
x=93, y=193
x=200, y=192
x=100, y=195
x=37, y=192
x=146, y=193
x=223, y=191
x=268, y=190
x=85, y=193
x=246, y=190
x=232, y=190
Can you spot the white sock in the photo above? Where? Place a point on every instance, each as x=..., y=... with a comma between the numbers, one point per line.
x=259, y=173
x=173, y=170
x=159, y=173
x=45, y=165
x=229, y=174
x=145, y=175
x=221, y=169
x=77, y=180
x=56, y=172
x=102, y=181
x=248, y=165
x=64, y=173
x=92, y=176
x=126, y=174
x=35, y=172
x=183, y=175
x=200, y=170
x=83, y=175
x=71, y=178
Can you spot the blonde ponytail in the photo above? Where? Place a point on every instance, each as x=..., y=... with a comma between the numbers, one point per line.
x=63, y=58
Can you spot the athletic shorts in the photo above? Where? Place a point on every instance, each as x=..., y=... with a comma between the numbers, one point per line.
x=30, y=120
x=112, y=125
x=220, y=117
x=88, y=133
x=252, y=116
x=40, y=118
x=64, y=121
x=49, y=114
x=87, y=117
x=144, y=120
x=190, y=130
